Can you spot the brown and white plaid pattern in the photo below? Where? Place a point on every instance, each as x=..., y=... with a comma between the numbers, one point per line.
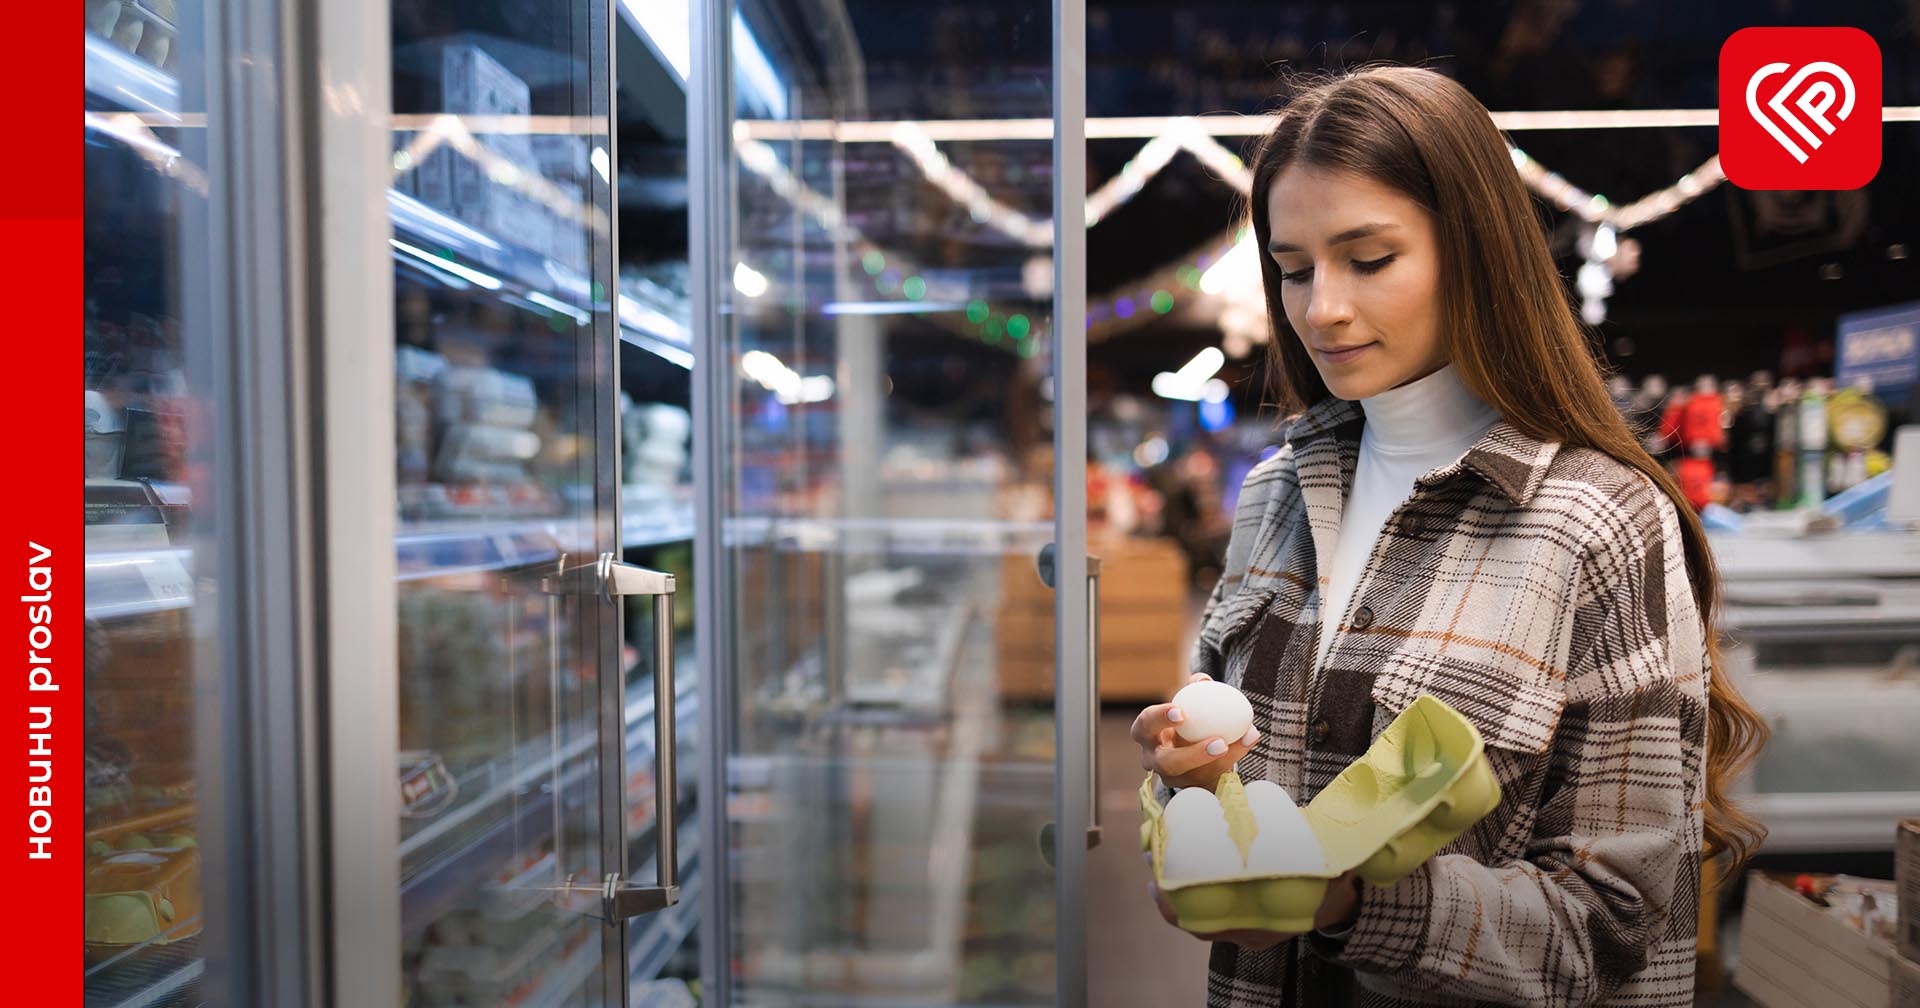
x=1542, y=592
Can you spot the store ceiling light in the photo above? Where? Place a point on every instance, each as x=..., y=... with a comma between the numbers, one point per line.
x=784, y=382
x=466, y=273
x=749, y=281
x=1240, y=265
x=1194, y=379
x=666, y=27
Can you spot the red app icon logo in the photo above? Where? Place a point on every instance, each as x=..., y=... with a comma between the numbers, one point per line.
x=1800, y=108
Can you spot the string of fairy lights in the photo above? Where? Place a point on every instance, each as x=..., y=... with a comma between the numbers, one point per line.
x=1225, y=269
x=1222, y=273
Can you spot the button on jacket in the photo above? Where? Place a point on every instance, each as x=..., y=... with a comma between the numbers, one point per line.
x=1542, y=592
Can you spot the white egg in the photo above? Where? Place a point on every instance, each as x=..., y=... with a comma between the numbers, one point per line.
x=1284, y=844
x=1214, y=710
x=1198, y=847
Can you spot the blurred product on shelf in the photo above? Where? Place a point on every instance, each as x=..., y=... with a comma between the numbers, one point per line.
x=426, y=788
x=1750, y=446
x=1810, y=477
x=1702, y=418
x=1787, y=444
x=143, y=881
x=1857, y=425
x=1696, y=476
x=1646, y=414
x=1670, y=425
x=1753, y=446
x=655, y=443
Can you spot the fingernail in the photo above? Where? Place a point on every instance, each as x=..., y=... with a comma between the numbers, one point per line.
x=1176, y=715
x=1216, y=748
x=1252, y=736
x=1203, y=675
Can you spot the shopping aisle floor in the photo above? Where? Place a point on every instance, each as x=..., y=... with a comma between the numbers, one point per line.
x=1133, y=957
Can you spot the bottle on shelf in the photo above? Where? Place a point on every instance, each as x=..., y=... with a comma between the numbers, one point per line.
x=1812, y=426
x=1750, y=444
x=1856, y=422
x=1700, y=426
x=1787, y=444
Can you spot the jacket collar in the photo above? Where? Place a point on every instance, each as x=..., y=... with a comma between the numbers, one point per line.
x=1508, y=459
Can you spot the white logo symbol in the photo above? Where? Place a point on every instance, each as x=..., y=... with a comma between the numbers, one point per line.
x=1813, y=103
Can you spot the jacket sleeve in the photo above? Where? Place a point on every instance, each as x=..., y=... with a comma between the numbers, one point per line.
x=1608, y=881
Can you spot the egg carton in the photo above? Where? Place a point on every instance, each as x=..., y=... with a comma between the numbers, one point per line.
x=1421, y=784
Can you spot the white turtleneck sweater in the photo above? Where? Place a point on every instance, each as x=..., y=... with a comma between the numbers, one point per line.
x=1410, y=431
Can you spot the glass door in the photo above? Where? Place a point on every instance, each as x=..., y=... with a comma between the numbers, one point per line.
x=151, y=427
x=888, y=408
x=514, y=746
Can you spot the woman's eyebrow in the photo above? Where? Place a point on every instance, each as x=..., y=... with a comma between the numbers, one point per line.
x=1350, y=234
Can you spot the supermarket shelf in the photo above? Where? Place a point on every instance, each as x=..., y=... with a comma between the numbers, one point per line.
x=1805, y=609
x=426, y=236
x=657, y=529
x=456, y=874
x=137, y=582
x=1834, y=821
x=963, y=537
x=148, y=977
x=562, y=983
x=141, y=582
x=1840, y=555
x=662, y=932
x=656, y=936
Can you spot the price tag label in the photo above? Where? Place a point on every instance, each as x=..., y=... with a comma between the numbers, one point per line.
x=167, y=579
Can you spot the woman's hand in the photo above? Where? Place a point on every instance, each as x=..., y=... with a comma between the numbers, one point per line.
x=1181, y=763
x=1338, y=907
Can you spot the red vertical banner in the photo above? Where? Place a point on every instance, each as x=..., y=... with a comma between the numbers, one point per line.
x=41, y=197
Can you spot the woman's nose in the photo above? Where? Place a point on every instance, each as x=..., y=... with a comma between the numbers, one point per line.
x=1328, y=305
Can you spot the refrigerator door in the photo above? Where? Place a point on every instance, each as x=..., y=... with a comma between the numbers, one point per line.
x=890, y=429
x=153, y=863
x=512, y=692
x=205, y=827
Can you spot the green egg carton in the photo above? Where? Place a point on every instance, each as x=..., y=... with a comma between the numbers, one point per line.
x=1423, y=782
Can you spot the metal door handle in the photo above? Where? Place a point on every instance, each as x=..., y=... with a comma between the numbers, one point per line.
x=1046, y=564
x=613, y=581
x=1093, y=701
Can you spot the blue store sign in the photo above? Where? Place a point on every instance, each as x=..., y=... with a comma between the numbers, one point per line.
x=1882, y=344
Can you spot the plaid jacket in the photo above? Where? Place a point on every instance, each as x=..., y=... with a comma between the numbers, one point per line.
x=1543, y=593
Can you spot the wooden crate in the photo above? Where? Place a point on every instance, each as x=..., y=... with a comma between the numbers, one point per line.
x=1143, y=624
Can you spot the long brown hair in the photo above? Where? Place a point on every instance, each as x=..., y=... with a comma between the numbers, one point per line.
x=1505, y=320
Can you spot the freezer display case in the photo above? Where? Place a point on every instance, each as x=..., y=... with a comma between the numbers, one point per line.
x=1825, y=643
x=541, y=427
x=885, y=418
x=145, y=433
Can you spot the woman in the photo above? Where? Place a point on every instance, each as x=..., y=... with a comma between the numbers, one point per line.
x=1459, y=510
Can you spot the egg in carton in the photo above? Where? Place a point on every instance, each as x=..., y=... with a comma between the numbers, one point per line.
x=1228, y=859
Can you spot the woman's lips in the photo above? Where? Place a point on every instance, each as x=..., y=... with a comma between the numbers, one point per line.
x=1343, y=356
